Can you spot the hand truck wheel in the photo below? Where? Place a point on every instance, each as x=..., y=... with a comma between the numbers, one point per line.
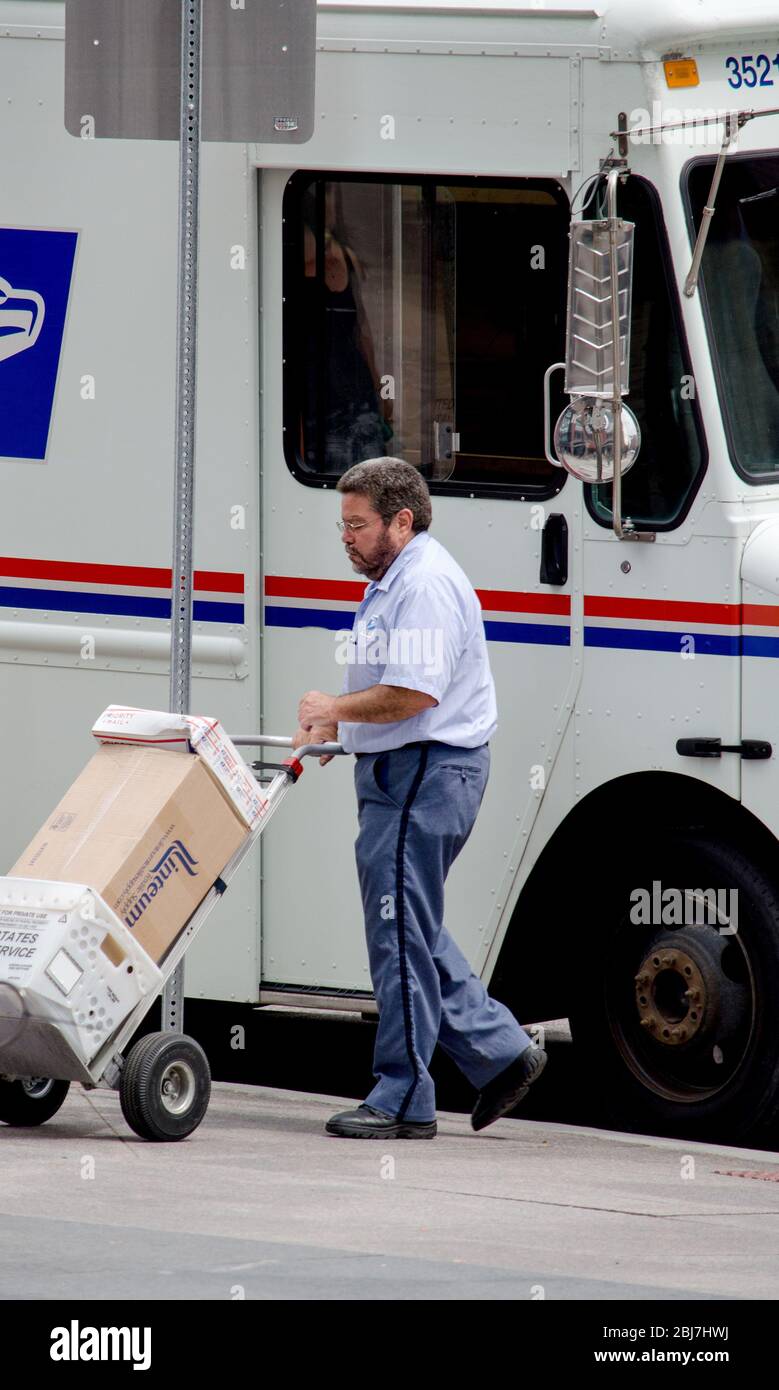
x=165, y=1086
x=32, y=1101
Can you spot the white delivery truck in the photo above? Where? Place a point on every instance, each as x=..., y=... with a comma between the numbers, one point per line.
x=397, y=285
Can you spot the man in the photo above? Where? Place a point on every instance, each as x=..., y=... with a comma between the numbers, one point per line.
x=417, y=710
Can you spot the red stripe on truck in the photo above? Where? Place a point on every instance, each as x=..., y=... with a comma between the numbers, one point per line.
x=674, y=611
x=492, y=600
x=131, y=576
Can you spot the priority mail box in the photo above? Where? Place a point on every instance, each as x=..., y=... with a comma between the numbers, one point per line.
x=148, y=829
x=199, y=733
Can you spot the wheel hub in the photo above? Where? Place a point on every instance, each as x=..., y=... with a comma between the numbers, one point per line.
x=37, y=1086
x=684, y=992
x=177, y=1087
x=671, y=996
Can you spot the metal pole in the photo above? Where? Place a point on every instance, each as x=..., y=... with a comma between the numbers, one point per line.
x=186, y=354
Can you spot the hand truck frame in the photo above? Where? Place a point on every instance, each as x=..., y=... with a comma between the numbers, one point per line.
x=164, y=1082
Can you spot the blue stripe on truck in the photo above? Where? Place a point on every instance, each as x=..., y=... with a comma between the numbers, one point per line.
x=125, y=605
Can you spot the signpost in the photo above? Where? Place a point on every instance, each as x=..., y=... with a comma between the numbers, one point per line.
x=228, y=70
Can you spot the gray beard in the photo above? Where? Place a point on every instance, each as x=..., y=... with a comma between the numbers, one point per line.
x=380, y=564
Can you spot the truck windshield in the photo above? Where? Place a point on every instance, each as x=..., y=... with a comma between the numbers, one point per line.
x=740, y=292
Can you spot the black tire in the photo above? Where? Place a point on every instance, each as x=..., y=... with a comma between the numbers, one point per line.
x=32, y=1101
x=700, y=1062
x=165, y=1087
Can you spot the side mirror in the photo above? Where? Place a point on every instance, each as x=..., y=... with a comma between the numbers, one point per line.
x=597, y=437
x=584, y=440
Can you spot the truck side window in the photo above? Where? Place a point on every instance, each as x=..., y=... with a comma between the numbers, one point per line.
x=419, y=318
x=739, y=289
x=659, y=488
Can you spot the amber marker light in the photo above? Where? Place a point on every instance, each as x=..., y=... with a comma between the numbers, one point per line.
x=681, y=72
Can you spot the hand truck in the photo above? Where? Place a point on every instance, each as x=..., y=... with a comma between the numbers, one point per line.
x=164, y=1081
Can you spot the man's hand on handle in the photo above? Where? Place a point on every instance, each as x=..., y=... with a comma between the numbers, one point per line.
x=322, y=733
x=317, y=722
x=319, y=714
x=379, y=704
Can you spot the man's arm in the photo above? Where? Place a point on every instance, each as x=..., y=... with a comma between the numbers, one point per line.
x=379, y=704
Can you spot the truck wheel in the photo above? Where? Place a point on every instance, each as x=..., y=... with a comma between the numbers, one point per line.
x=32, y=1101
x=676, y=1022
x=165, y=1086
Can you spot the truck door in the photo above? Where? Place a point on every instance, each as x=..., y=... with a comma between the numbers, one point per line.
x=418, y=318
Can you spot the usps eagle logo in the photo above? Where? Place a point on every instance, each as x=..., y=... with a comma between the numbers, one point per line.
x=21, y=319
x=36, y=270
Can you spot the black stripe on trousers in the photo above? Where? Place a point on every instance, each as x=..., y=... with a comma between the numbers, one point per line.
x=400, y=909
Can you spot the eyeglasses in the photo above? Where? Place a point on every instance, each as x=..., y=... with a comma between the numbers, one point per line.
x=354, y=525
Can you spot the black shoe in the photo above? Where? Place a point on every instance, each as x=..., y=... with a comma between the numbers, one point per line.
x=508, y=1088
x=367, y=1123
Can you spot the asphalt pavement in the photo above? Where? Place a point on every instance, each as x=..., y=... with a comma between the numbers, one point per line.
x=260, y=1203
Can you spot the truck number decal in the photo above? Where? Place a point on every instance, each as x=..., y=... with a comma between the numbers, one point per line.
x=751, y=70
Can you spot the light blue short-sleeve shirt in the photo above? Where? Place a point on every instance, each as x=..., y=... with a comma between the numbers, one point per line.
x=420, y=627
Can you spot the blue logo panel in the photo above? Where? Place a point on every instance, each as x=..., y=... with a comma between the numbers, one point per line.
x=35, y=274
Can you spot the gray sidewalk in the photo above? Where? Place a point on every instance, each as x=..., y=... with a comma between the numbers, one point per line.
x=260, y=1203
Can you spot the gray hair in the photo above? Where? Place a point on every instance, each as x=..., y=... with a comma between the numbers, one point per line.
x=390, y=484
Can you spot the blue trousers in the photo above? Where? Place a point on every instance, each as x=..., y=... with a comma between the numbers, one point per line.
x=416, y=808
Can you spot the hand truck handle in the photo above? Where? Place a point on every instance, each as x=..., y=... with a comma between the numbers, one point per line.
x=273, y=741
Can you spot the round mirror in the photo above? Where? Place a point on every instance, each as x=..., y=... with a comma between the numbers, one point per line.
x=584, y=440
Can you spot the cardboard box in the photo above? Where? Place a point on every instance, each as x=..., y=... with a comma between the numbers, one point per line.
x=147, y=829
x=200, y=733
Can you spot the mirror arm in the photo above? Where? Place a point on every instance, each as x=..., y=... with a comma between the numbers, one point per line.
x=732, y=126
